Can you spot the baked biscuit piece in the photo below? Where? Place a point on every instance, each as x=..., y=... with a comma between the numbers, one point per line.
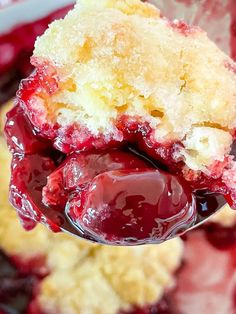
x=111, y=59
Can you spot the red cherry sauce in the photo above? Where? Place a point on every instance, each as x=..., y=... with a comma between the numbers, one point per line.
x=115, y=196
x=16, y=49
x=126, y=206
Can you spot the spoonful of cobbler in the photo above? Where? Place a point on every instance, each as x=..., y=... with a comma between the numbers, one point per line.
x=123, y=133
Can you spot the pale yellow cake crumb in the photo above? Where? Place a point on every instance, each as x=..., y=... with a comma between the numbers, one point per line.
x=120, y=276
x=226, y=217
x=120, y=57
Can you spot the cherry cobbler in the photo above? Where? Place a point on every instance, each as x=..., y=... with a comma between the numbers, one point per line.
x=45, y=273
x=123, y=133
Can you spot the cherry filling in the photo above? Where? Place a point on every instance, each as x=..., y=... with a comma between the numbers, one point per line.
x=114, y=196
x=120, y=198
x=132, y=205
x=17, y=284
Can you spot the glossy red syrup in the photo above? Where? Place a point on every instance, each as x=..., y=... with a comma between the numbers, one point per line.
x=116, y=196
x=125, y=206
x=16, y=49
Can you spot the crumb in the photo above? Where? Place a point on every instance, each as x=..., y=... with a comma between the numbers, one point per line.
x=226, y=217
